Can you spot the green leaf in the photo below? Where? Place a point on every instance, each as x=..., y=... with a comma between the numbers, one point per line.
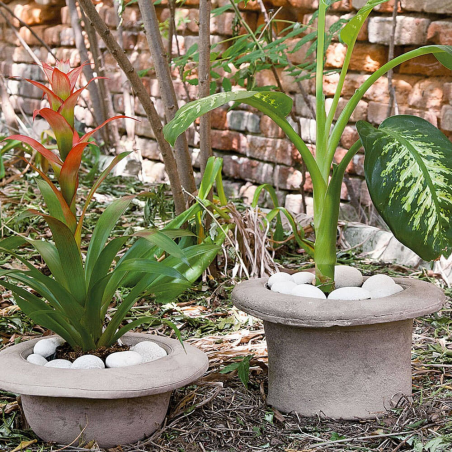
x=148, y=266
x=104, y=226
x=71, y=260
x=350, y=32
x=279, y=103
x=160, y=239
x=408, y=172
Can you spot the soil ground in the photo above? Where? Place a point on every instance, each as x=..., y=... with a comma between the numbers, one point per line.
x=226, y=411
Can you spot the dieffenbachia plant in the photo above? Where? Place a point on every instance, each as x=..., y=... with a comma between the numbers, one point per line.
x=408, y=161
x=73, y=301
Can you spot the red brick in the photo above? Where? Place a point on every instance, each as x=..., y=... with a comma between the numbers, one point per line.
x=227, y=140
x=359, y=113
x=368, y=57
x=271, y=150
x=288, y=178
x=440, y=32
x=377, y=113
x=186, y=19
x=270, y=129
x=428, y=93
x=34, y=14
x=424, y=65
x=349, y=137
x=29, y=38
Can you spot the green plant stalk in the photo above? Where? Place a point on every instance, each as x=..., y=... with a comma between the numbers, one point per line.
x=325, y=244
x=320, y=98
x=353, y=102
x=340, y=85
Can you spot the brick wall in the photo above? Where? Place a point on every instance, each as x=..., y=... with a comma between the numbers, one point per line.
x=255, y=151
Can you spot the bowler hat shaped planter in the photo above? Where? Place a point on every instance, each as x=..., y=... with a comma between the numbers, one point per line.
x=338, y=358
x=112, y=406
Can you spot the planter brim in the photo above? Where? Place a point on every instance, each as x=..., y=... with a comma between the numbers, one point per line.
x=180, y=367
x=417, y=299
x=111, y=406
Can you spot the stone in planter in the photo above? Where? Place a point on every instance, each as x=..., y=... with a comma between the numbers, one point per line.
x=343, y=359
x=112, y=406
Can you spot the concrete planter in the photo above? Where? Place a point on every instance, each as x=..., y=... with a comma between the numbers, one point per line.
x=340, y=359
x=112, y=406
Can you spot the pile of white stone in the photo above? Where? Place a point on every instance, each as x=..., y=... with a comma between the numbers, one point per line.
x=348, y=281
x=143, y=352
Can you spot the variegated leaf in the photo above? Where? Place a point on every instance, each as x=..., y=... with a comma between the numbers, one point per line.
x=408, y=170
x=265, y=101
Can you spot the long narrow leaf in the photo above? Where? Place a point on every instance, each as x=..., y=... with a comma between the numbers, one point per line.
x=104, y=226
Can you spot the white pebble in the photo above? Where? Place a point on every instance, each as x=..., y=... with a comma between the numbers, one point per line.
x=284, y=287
x=59, y=363
x=349, y=293
x=37, y=359
x=386, y=291
x=123, y=359
x=307, y=290
x=377, y=281
x=57, y=340
x=88, y=362
x=346, y=276
x=303, y=278
x=45, y=347
x=149, y=351
x=277, y=278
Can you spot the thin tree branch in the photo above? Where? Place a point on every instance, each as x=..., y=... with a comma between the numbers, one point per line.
x=87, y=70
x=162, y=70
x=204, y=80
x=392, y=93
x=148, y=106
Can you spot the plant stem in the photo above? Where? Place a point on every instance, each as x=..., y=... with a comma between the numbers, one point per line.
x=353, y=102
x=319, y=95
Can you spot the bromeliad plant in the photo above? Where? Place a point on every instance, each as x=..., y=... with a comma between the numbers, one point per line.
x=74, y=300
x=408, y=163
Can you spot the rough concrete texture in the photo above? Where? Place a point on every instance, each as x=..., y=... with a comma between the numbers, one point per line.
x=344, y=373
x=109, y=422
x=338, y=358
x=91, y=397
x=418, y=298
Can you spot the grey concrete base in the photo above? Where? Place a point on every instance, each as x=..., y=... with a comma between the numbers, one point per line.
x=66, y=420
x=339, y=372
x=341, y=359
x=112, y=406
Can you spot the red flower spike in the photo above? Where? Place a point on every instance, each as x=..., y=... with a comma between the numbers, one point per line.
x=69, y=172
x=55, y=101
x=87, y=135
x=48, y=71
x=74, y=74
x=61, y=128
x=49, y=155
x=67, y=109
x=63, y=66
x=60, y=84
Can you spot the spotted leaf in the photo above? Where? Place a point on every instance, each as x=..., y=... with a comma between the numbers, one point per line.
x=408, y=169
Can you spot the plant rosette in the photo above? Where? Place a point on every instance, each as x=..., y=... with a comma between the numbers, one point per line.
x=74, y=301
x=113, y=406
